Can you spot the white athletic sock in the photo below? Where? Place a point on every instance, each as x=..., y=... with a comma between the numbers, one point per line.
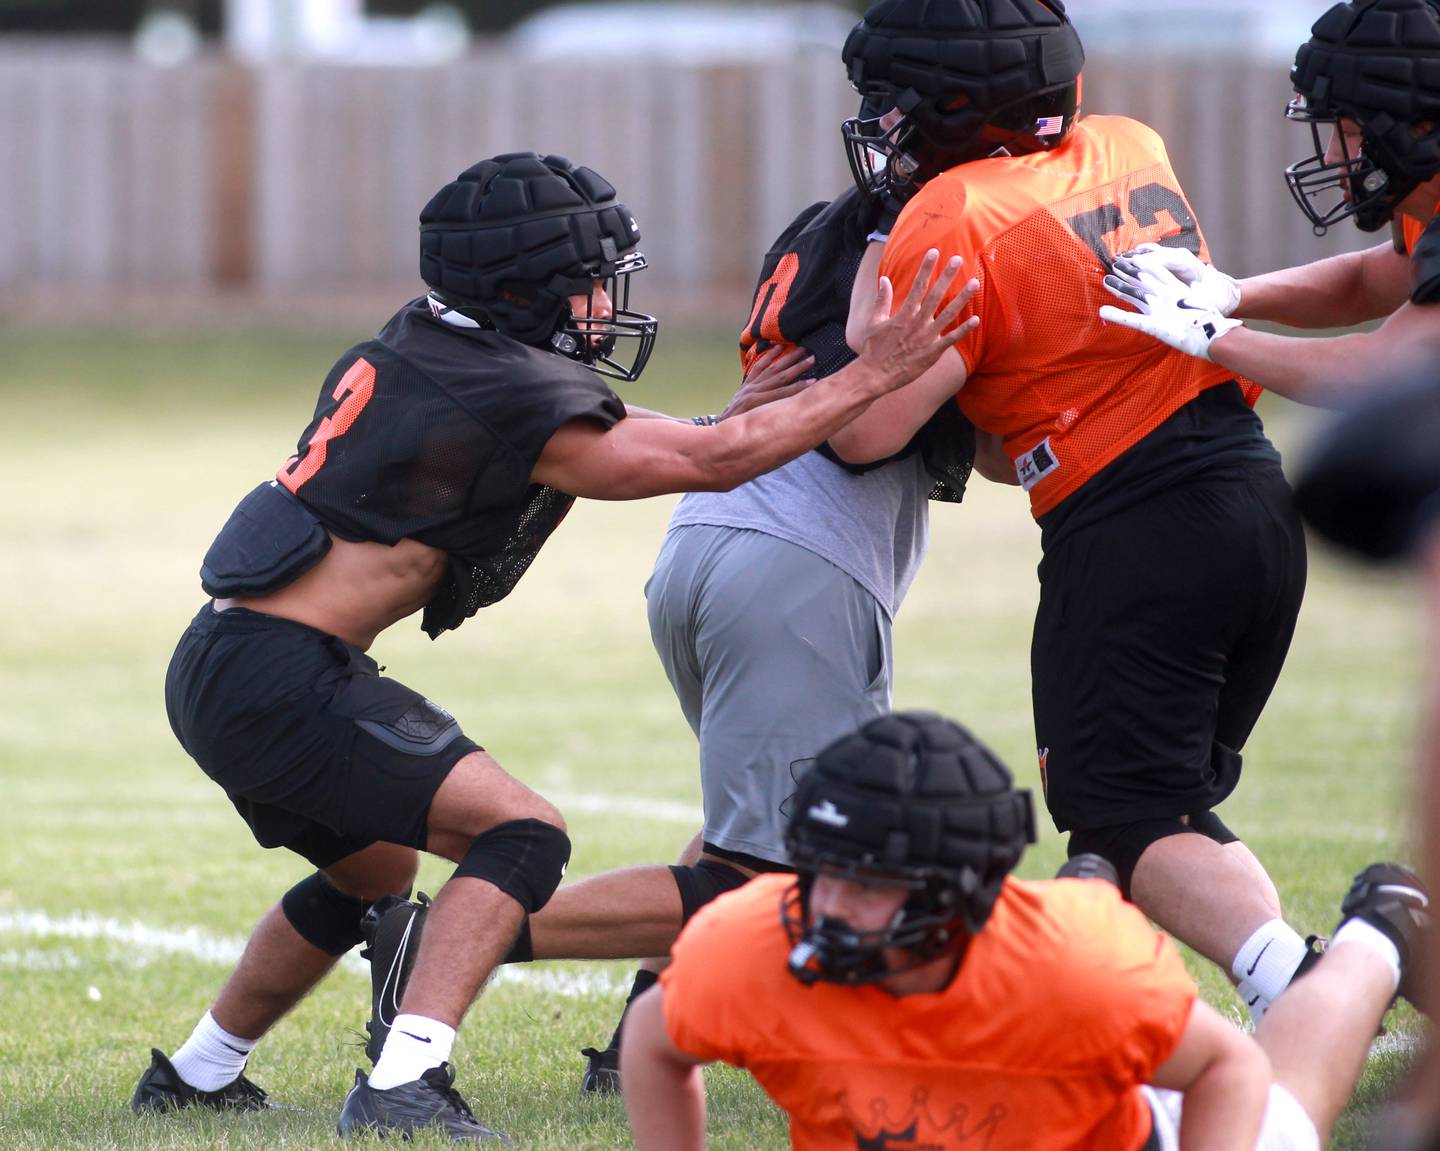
x=212, y=1057
x=1358, y=931
x=415, y=1044
x=1265, y=964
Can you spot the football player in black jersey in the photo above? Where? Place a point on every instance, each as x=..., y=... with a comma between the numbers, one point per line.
x=441, y=455
x=1368, y=87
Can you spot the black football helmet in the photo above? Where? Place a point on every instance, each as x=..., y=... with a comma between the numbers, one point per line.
x=910, y=800
x=513, y=238
x=1376, y=62
x=972, y=78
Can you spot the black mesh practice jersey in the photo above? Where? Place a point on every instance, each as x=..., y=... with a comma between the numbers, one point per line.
x=430, y=432
x=803, y=298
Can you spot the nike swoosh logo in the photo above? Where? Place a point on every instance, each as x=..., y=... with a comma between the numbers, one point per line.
x=1259, y=957
x=1252, y=1002
x=417, y=1038
x=228, y=1047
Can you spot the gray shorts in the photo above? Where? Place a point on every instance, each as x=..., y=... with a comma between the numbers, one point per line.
x=773, y=652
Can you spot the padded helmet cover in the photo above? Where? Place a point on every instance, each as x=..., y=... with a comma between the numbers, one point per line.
x=972, y=75
x=513, y=237
x=914, y=800
x=1377, y=62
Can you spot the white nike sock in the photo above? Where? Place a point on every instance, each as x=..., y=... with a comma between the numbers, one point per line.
x=415, y=1044
x=212, y=1057
x=1265, y=964
x=1358, y=931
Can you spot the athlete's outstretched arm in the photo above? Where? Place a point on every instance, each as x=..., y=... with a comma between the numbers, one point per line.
x=1225, y=1078
x=892, y=421
x=1333, y=293
x=664, y=1091
x=1326, y=371
x=778, y=372
x=889, y=423
x=1170, y=305
x=638, y=458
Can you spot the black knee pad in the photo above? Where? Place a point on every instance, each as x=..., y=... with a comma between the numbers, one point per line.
x=1124, y=843
x=323, y=915
x=1211, y=826
x=709, y=879
x=524, y=858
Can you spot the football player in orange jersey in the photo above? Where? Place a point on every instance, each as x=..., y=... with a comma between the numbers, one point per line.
x=1174, y=562
x=910, y=993
x=1370, y=77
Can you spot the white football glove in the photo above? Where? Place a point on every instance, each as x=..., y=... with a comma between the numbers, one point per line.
x=1169, y=309
x=1207, y=284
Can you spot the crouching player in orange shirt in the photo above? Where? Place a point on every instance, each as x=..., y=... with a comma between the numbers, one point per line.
x=904, y=991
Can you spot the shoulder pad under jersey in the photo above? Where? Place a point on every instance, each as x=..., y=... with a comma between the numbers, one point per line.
x=1425, y=266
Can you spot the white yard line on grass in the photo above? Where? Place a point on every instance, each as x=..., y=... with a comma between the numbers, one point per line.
x=223, y=950
x=145, y=942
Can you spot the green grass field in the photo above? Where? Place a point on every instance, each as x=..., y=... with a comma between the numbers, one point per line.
x=127, y=882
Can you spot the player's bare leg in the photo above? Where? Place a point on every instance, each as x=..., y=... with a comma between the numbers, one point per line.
x=622, y=914
x=279, y=967
x=510, y=846
x=1318, y=1033
x=1219, y=900
x=1207, y=895
x=602, y=1065
x=472, y=923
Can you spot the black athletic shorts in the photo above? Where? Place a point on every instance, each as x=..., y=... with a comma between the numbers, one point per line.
x=316, y=749
x=1161, y=631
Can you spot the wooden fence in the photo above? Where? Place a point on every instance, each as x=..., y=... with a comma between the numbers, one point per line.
x=118, y=177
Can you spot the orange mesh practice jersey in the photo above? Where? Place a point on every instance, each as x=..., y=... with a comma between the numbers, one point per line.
x=1067, y=392
x=1064, y=1005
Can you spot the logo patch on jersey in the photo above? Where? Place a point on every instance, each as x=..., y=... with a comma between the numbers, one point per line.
x=1036, y=464
x=1049, y=125
x=828, y=813
x=922, y=1126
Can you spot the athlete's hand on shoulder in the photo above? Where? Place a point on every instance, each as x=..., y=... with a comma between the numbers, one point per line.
x=777, y=372
x=902, y=344
x=1169, y=309
x=1207, y=283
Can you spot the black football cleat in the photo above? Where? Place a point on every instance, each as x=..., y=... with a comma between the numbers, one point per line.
x=1393, y=900
x=428, y=1102
x=1088, y=865
x=392, y=930
x=602, y=1072
x=162, y=1089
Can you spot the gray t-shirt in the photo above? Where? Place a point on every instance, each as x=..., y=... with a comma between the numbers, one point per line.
x=874, y=527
